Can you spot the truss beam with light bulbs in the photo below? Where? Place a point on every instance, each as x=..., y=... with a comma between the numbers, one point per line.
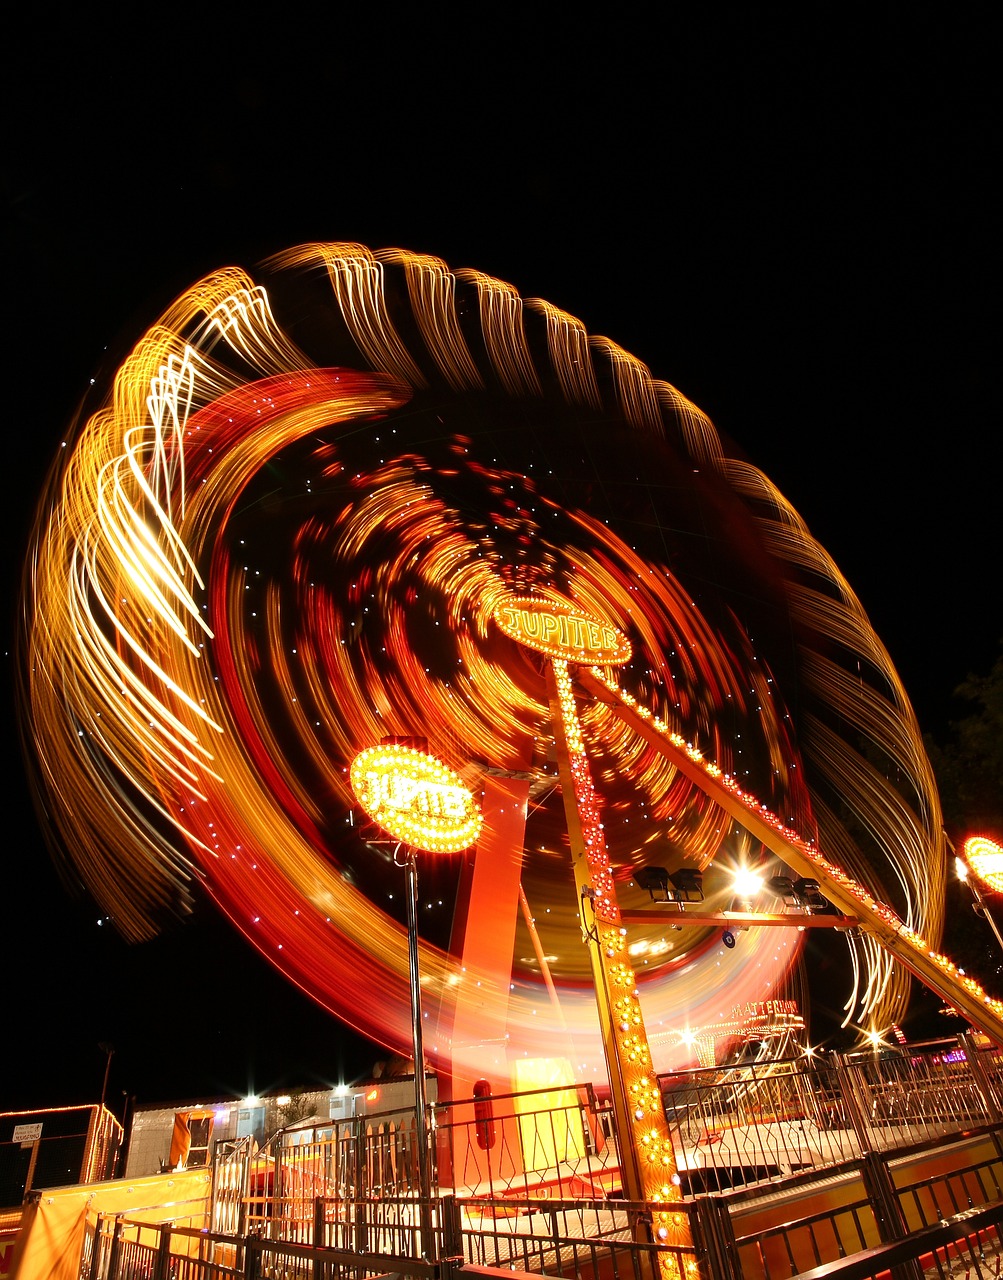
x=936, y=971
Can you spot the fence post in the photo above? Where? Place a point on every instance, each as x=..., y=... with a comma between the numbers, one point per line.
x=320, y=1269
x=162, y=1264
x=849, y=1087
x=96, y=1247
x=714, y=1238
x=451, y=1226
x=363, y=1189
x=252, y=1257
x=984, y=1082
x=888, y=1211
x=116, y=1245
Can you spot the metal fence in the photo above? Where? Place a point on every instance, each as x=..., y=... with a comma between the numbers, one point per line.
x=569, y=1240
x=749, y=1124
x=966, y=1247
x=575, y=1241
x=735, y=1127
x=786, y=1167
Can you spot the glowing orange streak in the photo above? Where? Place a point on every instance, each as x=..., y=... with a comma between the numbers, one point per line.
x=505, y=338
x=107, y=733
x=876, y=708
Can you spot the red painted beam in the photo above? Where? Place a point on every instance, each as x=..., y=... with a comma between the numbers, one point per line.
x=673, y=918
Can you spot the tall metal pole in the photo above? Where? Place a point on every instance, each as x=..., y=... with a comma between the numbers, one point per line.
x=980, y=904
x=108, y=1050
x=420, y=1102
x=419, y=802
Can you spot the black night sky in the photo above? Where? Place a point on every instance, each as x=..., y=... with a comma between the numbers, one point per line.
x=792, y=222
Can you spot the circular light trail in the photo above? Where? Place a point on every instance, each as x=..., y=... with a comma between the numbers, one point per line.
x=285, y=530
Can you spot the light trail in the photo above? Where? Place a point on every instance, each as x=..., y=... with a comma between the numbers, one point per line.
x=278, y=540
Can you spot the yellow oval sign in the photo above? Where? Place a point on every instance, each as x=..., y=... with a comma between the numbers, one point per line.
x=560, y=631
x=985, y=857
x=415, y=798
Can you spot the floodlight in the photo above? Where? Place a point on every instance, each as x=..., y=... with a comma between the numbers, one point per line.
x=783, y=887
x=654, y=879
x=688, y=884
x=811, y=895
x=746, y=883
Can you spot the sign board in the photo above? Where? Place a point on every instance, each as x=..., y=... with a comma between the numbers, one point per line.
x=28, y=1132
x=415, y=798
x=985, y=857
x=560, y=631
x=766, y=1009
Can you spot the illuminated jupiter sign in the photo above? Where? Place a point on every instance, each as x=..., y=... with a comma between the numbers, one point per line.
x=560, y=631
x=985, y=857
x=415, y=798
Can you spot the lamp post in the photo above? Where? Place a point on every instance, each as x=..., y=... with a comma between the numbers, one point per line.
x=107, y=1050
x=423, y=805
x=420, y=1096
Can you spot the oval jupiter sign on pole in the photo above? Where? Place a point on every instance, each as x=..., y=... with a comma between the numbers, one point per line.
x=421, y=803
x=415, y=798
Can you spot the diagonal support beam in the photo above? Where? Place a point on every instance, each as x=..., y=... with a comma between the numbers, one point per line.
x=853, y=899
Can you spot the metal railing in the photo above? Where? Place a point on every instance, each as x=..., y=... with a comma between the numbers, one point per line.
x=752, y=1123
x=551, y=1238
x=786, y=1166
x=924, y=1093
x=580, y=1242
x=813, y=1239
x=742, y=1125
x=541, y=1143
x=557, y=1237
x=926, y=1197
x=867, y=1204
x=137, y=1249
x=735, y=1127
x=968, y=1246
x=538, y=1144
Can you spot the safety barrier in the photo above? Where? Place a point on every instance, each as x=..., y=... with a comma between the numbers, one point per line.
x=742, y=1125
x=584, y=1241
x=786, y=1167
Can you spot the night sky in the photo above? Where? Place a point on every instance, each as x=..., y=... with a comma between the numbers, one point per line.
x=791, y=224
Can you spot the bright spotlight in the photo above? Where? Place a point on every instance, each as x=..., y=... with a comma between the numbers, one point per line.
x=746, y=883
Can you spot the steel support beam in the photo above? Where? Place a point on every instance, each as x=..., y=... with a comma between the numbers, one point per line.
x=853, y=899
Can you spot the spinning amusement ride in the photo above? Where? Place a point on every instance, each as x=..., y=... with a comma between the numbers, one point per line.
x=358, y=500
